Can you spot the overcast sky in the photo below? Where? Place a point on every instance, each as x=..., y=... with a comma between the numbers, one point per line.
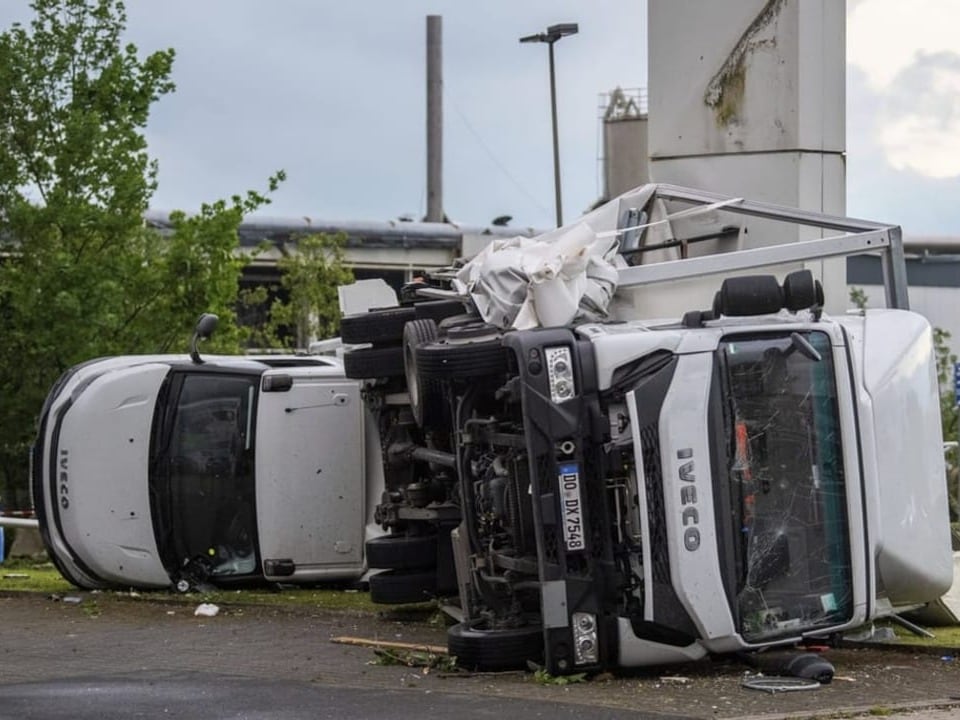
x=334, y=93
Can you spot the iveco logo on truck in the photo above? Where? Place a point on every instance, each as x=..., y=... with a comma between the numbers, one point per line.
x=688, y=497
x=64, y=488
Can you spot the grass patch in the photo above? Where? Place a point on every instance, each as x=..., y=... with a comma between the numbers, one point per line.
x=26, y=575
x=293, y=597
x=36, y=576
x=948, y=636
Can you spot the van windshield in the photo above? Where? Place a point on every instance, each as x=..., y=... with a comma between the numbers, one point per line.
x=785, y=484
x=201, y=475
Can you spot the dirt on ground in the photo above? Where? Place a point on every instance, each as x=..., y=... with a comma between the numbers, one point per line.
x=42, y=638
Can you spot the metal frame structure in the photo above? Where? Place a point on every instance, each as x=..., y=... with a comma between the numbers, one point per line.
x=860, y=236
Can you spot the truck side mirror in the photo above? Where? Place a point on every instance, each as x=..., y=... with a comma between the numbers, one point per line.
x=205, y=326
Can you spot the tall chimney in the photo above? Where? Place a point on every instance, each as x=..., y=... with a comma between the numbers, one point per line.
x=434, y=119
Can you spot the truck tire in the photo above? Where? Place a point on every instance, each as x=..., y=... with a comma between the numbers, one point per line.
x=377, y=362
x=402, y=552
x=461, y=361
x=438, y=310
x=378, y=327
x=402, y=587
x=477, y=647
x=427, y=401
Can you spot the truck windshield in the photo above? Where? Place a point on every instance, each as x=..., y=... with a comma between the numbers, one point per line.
x=201, y=475
x=785, y=484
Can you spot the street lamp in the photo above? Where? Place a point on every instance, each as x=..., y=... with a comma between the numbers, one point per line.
x=554, y=33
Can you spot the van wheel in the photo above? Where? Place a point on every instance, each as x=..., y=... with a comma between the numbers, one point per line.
x=400, y=587
x=477, y=646
x=382, y=325
x=362, y=363
x=427, y=401
x=402, y=552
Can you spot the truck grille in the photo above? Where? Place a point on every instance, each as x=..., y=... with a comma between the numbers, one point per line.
x=653, y=473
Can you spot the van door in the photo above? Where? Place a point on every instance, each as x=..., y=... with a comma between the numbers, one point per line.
x=310, y=475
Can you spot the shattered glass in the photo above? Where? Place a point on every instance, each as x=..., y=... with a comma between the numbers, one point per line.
x=786, y=482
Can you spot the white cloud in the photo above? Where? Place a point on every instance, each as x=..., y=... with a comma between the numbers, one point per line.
x=908, y=54
x=921, y=128
x=884, y=37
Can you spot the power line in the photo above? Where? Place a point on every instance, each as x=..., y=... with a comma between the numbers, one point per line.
x=493, y=156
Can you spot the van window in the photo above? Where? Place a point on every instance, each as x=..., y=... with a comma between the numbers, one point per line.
x=202, y=483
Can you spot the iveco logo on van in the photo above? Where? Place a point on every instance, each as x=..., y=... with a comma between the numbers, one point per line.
x=63, y=486
x=689, y=516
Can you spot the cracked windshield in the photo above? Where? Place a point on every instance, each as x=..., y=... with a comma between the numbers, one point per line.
x=786, y=484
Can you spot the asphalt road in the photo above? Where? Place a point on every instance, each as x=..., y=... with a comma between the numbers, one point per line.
x=109, y=657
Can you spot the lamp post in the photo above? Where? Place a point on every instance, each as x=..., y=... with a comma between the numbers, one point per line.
x=554, y=33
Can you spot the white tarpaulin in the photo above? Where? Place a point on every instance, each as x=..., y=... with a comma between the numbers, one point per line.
x=553, y=279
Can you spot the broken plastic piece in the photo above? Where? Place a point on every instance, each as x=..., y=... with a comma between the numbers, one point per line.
x=206, y=610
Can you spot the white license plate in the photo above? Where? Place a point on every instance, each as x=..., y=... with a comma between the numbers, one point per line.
x=570, y=506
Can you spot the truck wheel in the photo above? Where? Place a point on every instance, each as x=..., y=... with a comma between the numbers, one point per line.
x=461, y=361
x=385, y=362
x=427, y=401
x=438, y=310
x=383, y=325
x=401, y=587
x=478, y=647
x=402, y=552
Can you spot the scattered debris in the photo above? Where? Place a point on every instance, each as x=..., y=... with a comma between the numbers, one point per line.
x=544, y=678
x=15, y=576
x=73, y=599
x=872, y=634
x=206, y=610
x=415, y=658
x=674, y=679
x=391, y=645
x=775, y=684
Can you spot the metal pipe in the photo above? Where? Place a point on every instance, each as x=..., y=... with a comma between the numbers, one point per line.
x=556, y=140
x=14, y=522
x=437, y=457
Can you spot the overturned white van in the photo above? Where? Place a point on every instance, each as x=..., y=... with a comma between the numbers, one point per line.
x=159, y=471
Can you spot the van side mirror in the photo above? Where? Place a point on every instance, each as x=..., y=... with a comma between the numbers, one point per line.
x=205, y=327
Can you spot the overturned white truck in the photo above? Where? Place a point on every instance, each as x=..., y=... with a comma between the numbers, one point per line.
x=627, y=492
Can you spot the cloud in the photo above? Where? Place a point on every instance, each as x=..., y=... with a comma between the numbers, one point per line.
x=885, y=37
x=920, y=121
x=910, y=62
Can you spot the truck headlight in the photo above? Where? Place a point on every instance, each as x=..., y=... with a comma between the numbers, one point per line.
x=584, y=638
x=560, y=373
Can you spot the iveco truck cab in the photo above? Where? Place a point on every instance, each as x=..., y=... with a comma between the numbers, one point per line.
x=160, y=471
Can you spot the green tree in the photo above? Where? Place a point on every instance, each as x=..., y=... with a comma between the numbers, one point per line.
x=80, y=274
x=306, y=304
